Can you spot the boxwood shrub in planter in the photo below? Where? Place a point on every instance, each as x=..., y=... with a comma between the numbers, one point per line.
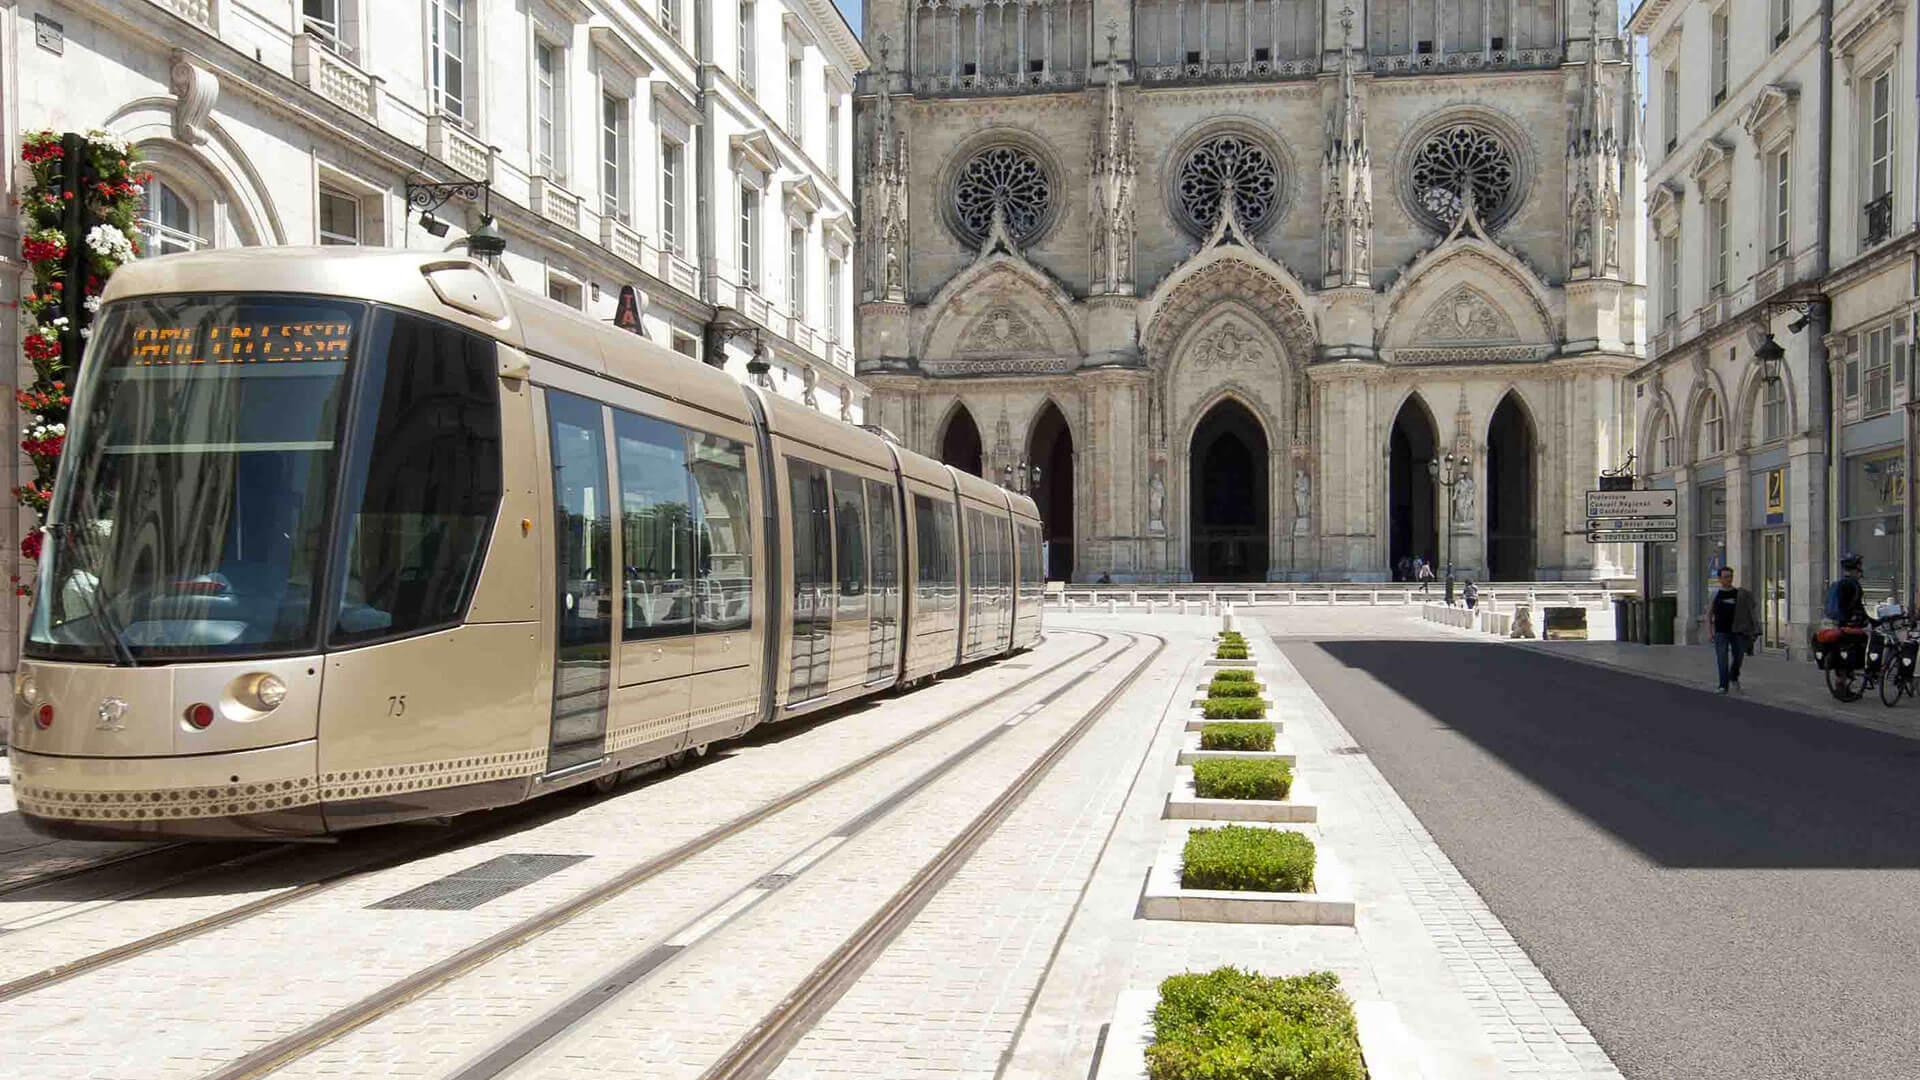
x=1230, y=652
x=1247, y=858
x=1230, y=778
x=1233, y=674
x=1216, y=688
x=1236, y=737
x=1234, y=708
x=1230, y=1024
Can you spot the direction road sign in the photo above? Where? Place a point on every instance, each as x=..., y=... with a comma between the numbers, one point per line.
x=1657, y=524
x=1626, y=536
x=1631, y=504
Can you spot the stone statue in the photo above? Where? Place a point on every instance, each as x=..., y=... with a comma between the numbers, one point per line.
x=1302, y=498
x=1156, y=505
x=1582, y=245
x=1463, y=501
x=808, y=380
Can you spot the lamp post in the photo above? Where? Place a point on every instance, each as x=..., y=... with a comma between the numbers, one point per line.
x=1021, y=477
x=1441, y=470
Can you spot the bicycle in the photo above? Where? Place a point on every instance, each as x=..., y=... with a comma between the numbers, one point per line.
x=1897, y=661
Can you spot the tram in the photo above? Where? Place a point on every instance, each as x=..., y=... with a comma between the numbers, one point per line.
x=345, y=537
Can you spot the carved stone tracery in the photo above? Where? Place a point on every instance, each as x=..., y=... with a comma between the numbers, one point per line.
x=1465, y=315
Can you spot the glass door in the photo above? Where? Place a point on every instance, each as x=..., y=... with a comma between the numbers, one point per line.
x=583, y=549
x=1773, y=588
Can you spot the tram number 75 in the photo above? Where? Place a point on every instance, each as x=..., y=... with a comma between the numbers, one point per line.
x=397, y=705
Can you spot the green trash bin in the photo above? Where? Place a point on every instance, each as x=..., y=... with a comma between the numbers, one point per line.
x=1661, y=630
x=1625, y=626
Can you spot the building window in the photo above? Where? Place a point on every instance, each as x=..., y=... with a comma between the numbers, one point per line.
x=670, y=195
x=797, y=273
x=613, y=155
x=549, y=111
x=1012, y=181
x=747, y=58
x=833, y=301
x=566, y=292
x=1873, y=500
x=1710, y=536
x=1852, y=368
x=1781, y=21
x=1459, y=157
x=1879, y=152
x=685, y=345
x=339, y=217
x=749, y=237
x=331, y=23
x=833, y=140
x=167, y=221
x=1717, y=253
x=447, y=56
x=1666, y=442
x=1773, y=410
x=1713, y=428
x=794, y=111
x=1719, y=57
x=1670, y=277
x=1781, y=165
x=670, y=17
x=1879, y=371
x=1670, y=107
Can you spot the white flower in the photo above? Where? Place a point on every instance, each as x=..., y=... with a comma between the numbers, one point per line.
x=93, y=305
x=139, y=189
x=60, y=321
x=109, y=242
x=118, y=144
x=86, y=332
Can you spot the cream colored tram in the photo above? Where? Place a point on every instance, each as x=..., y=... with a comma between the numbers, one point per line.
x=346, y=536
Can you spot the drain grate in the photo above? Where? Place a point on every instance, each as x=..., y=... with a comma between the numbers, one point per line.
x=772, y=881
x=464, y=890
x=1348, y=750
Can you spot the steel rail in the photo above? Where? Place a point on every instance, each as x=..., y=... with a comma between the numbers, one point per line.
x=351, y=1017
x=34, y=881
x=763, y=1048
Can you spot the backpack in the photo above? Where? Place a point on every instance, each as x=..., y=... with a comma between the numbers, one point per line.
x=1833, y=603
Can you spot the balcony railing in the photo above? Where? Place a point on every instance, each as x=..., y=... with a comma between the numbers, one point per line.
x=335, y=78
x=1202, y=71
x=1879, y=220
x=1467, y=60
x=1032, y=82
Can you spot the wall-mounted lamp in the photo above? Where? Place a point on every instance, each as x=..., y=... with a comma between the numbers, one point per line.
x=1768, y=351
x=434, y=226
x=486, y=242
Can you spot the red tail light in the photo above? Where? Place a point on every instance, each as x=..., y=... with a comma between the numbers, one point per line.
x=43, y=716
x=200, y=716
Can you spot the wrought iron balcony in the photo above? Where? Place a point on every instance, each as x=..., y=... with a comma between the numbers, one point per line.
x=1879, y=220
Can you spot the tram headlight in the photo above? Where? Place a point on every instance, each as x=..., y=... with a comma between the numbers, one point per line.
x=26, y=688
x=262, y=692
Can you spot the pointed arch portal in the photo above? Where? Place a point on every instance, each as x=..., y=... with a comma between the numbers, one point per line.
x=1051, y=448
x=1413, y=523
x=1228, y=459
x=1510, y=450
x=960, y=447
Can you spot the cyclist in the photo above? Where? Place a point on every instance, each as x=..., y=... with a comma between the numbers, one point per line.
x=1846, y=600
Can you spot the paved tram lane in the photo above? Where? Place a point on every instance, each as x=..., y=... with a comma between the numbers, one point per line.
x=1718, y=888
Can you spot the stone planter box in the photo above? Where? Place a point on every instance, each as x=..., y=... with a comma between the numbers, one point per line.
x=1330, y=904
x=1385, y=1044
x=1191, y=752
x=1253, y=661
x=1200, y=702
x=1183, y=805
x=1198, y=722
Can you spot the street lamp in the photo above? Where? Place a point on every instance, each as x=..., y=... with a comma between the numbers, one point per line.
x=1021, y=477
x=1441, y=470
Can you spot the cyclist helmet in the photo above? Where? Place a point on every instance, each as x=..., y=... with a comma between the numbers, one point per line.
x=1852, y=562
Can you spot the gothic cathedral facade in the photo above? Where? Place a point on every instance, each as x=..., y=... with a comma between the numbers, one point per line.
x=1260, y=290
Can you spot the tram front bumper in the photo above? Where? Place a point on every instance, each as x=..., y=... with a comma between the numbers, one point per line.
x=243, y=795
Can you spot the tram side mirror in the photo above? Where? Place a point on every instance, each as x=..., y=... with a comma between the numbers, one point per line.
x=514, y=364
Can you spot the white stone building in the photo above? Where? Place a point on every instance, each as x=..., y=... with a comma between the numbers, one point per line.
x=1219, y=280
x=1782, y=202
x=699, y=151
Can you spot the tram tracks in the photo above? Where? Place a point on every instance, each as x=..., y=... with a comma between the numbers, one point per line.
x=480, y=832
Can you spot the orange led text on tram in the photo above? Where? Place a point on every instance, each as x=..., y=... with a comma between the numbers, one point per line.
x=233, y=343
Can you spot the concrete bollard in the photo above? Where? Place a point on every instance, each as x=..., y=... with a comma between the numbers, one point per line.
x=1149, y=608
x=1227, y=620
x=1183, y=607
x=1110, y=605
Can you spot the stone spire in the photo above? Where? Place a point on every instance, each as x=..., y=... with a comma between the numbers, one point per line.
x=1593, y=171
x=883, y=219
x=1114, y=165
x=1347, y=177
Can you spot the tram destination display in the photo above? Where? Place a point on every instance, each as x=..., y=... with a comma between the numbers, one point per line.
x=240, y=343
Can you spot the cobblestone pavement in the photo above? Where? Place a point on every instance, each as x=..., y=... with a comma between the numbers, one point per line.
x=214, y=998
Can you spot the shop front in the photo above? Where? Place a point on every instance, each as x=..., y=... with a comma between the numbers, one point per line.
x=1871, y=503
x=1767, y=572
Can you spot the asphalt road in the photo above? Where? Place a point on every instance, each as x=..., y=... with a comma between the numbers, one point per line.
x=1720, y=889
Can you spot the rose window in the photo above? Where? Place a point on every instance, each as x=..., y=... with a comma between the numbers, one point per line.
x=1010, y=179
x=1219, y=163
x=1458, y=159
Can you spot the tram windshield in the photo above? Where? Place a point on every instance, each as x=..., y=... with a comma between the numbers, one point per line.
x=193, y=516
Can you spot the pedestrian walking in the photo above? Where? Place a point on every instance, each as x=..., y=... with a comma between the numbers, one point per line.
x=1403, y=570
x=1734, y=624
x=1422, y=572
x=1472, y=594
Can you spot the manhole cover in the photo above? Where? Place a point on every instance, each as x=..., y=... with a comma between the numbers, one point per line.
x=1348, y=750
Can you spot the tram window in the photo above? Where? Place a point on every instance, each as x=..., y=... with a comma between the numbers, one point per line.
x=584, y=509
x=949, y=567
x=926, y=537
x=812, y=572
x=850, y=550
x=656, y=527
x=881, y=532
x=427, y=474
x=723, y=568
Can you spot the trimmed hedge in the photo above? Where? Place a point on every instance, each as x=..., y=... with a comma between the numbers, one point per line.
x=1236, y=737
x=1229, y=1024
x=1247, y=858
x=1237, y=778
x=1233, y=708
x=1219, y=689
x=1230, y=652
x=1233, y=674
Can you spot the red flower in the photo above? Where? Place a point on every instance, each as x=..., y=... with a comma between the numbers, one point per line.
x=56, y=286
x=39, y=348
x=66, y=196
x=30, y=545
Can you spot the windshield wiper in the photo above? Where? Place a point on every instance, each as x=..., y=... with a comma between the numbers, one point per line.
x=98, y=608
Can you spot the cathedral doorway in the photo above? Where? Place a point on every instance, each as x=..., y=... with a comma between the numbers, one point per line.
x=1051, y=448
x=1413, y=526
x=1228, y=459
x=960, y=446
x=1510, y=449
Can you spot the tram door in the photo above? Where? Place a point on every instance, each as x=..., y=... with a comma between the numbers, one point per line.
x=583, y=547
